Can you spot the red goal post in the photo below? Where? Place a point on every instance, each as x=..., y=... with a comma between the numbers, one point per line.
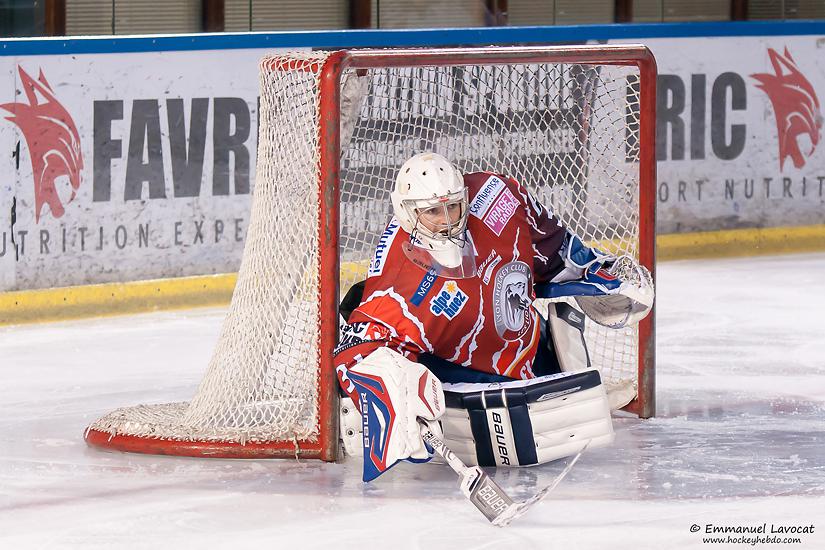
x=271, y=388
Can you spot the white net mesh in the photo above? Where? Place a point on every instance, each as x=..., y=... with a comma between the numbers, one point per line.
x=261, y=384
x=569, y=132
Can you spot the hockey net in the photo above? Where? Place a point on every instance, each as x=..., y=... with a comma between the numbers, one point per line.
x=574, y=124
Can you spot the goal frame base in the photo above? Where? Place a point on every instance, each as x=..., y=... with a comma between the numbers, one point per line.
x=204, y=448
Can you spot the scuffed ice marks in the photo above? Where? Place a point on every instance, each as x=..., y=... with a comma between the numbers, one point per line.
x=738, y=437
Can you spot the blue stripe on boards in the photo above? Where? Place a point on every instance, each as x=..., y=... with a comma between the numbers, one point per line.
x=401, y=37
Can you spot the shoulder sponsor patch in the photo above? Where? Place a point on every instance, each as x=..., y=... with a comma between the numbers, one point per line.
x=424, y=287
x=501, y=211
x=382, y=249
x=485, y=196
x=449, y=301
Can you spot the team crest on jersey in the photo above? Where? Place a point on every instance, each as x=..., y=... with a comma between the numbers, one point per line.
x=512, y=299
x=449, y=301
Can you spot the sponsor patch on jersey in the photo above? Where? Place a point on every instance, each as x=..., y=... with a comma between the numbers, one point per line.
x=485, y=196
x=490, y=268
x=501, y=211
x=511, y=300
x=354, y=334
x=449, y=301
x=424, y=287
x=488, y=264
x=382, y=249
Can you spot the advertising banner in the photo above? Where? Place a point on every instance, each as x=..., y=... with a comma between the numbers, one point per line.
x=739, y=130
x=130, y=166
x=125, y=166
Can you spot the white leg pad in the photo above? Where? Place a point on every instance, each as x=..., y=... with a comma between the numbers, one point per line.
x=350, y=428
x=565, y=411
x=529, y=422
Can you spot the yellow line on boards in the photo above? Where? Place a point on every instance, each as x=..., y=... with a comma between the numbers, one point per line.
x=54, y=304
x=740, y=242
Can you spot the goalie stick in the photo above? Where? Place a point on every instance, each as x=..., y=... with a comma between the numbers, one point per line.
x=483, y=492
x=520, y=508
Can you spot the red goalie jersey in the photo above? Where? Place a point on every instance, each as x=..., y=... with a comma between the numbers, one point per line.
x=486, y=322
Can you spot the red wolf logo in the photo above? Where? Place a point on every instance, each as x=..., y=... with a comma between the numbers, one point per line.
x=795, y=105
x=52, y=139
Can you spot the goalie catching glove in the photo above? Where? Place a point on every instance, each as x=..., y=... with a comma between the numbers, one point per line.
x=392, y=393
x=613, y=291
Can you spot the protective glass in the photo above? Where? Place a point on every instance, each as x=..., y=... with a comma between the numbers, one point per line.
x=466, y=268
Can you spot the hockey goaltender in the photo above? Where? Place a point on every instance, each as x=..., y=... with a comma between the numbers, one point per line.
x=445, y=329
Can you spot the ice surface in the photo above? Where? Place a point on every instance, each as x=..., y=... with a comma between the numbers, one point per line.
x=739, y=440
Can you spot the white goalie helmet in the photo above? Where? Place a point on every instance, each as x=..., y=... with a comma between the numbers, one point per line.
x=430, y=203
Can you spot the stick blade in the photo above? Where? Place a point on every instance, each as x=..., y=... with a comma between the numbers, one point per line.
x=486, y=495
x=517, y=510
x=512, y=512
